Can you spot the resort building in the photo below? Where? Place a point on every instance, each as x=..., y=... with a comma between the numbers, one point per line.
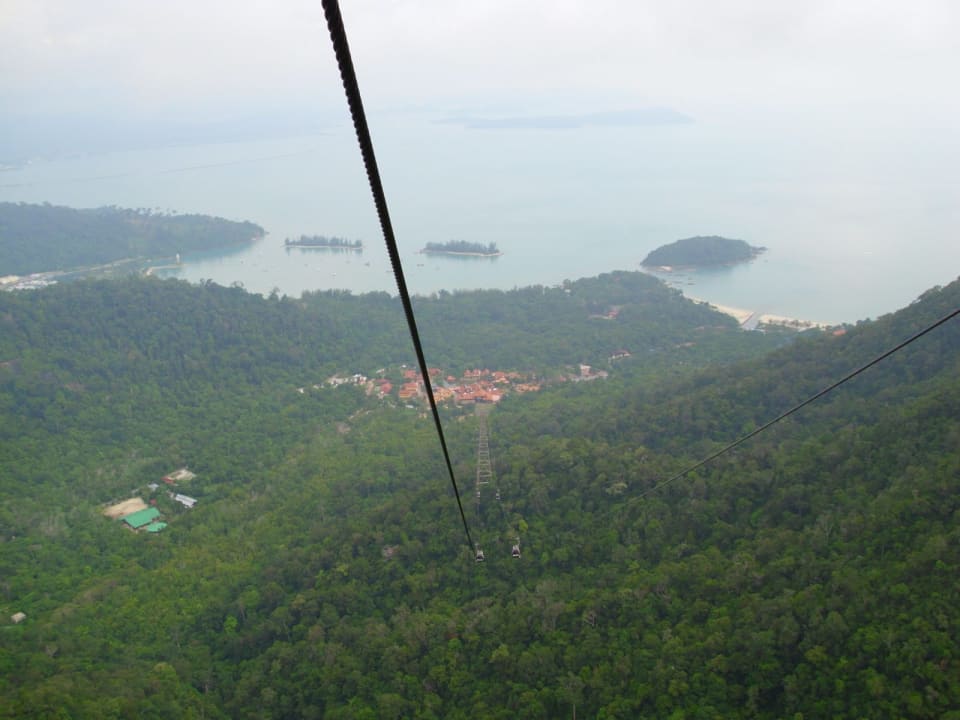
x=140, y=519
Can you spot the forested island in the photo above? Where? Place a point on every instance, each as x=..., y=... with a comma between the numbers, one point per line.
x=41, y=238
x=324, y=571
x=702, y=251
x=322, y=241
x=461, y=247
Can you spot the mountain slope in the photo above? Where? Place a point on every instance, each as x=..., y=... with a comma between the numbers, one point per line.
x=812, y=572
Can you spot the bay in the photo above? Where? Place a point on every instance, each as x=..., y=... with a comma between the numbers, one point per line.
x=855, y=226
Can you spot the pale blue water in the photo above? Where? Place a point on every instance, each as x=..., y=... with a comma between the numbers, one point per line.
x=855, y=228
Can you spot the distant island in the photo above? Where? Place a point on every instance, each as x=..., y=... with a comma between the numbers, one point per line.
x=322, y=241
x=42, y=238
x=702, y=250
x=461, y=247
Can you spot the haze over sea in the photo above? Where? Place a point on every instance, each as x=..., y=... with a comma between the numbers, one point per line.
x=856, y=224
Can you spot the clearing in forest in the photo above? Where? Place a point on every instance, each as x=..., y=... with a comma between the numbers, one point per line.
x=122, y=509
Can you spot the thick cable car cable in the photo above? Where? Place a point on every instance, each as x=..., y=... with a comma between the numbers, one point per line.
x=348, y=76
x=351, y=87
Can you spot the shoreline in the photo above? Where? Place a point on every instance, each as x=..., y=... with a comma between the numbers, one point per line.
x=358, y=248
x=149, y=271
x=453, y=252
x=671, y=269
x=751, y=319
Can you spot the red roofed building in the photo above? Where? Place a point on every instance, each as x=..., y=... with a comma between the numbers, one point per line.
x=409, y=390
x=442, y=394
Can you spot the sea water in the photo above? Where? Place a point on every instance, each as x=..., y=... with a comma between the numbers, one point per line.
x=852, y=230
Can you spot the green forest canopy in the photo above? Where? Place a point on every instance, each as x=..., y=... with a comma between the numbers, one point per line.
x=461, y=246
x=701, y=250
x=41, y=238
x=323, y=241
x=324, y=574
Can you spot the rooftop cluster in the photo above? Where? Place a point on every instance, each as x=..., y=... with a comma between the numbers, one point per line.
x=137, y=515
x=406, y=384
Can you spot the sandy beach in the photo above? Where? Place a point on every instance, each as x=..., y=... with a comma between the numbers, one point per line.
x=767, y=319
x=751, y=320
x=739, y=314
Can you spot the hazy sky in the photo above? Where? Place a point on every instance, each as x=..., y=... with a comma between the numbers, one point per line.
x=818, y=61
x=815, y=124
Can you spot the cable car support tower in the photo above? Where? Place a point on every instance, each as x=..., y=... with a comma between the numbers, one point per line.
x=485, y=473
x=484, y=470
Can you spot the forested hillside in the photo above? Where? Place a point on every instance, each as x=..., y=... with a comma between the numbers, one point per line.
x=324, y=572
x=702, y=250
x=41, y=238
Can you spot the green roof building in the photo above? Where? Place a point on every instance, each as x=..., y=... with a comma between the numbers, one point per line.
x=155, y=527
x=142, y=517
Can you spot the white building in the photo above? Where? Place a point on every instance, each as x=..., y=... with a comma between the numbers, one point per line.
x=185, y=500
